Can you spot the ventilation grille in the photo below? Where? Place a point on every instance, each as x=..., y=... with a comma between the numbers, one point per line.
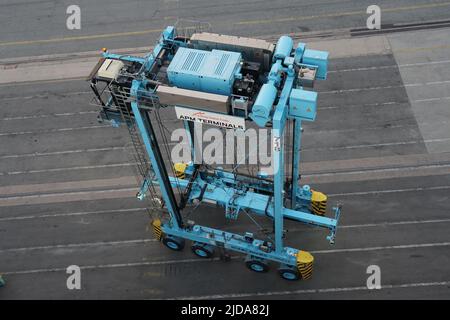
x=222, y=64
x=193, y=61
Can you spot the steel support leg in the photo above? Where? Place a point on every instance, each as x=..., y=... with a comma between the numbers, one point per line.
x=296, y=161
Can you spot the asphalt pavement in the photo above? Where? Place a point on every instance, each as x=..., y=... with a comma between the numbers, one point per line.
x=380, y=145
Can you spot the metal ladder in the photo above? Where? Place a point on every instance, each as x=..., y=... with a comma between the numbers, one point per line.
x=122, y=97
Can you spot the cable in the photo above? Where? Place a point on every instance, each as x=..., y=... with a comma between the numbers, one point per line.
x=258, y=225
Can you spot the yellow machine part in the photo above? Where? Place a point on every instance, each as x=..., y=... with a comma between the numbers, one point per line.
x=180, y=169
x=157, y=231
x=305, y=263
x=318, y=203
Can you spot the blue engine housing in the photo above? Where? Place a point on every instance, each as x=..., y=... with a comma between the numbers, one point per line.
x=207, y=71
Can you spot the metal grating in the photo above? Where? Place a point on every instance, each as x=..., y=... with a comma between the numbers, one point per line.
x=193, y=61
x=221, y=65
x=187, y=63
x=198, y=61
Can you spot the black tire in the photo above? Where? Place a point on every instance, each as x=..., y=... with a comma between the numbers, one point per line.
x=289, y=274
x=202, y=251
x=257, y=266
x=176, y=244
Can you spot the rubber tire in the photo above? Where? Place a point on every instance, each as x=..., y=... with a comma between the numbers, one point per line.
x=175, y=244
x=208, y=253
x=294, y=273
x=264, y=267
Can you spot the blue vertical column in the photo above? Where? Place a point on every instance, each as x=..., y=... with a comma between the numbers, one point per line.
x=279, y=121
x=278, y=175
x=156, y=165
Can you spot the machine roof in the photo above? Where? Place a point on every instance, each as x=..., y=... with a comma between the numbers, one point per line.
x=217, y=64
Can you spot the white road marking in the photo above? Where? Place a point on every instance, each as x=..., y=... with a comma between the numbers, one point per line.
x=381, y=126
x=406, y=65
x=173, y=143
x=354, y=226
x=360, y=146
x=431, y=99
x=62, y=194
x=383, y=224
x=38, y=116
x=388, y=191
x=54, y=153
x=166, y=262
x=390, y=66
x=310, y=291
x=52, y=130
x=386, y=87
x=62, y=197
x=113, y=165
x=361, y=89
x=406, y=246
x=69, y=214
x=79, y=245
x=388, y=103
x=431, y=83
x=4, y=201
x=378, y=104
x=115, y=265
x=128, y=164
x=37, y=96
x=375, y=170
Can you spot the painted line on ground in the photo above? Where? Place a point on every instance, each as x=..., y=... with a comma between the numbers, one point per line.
x=423, y=84
x=305, y=149
x=376, y=145
x=68, y=197
x=170, y=144
x=54, y=153
x=70, y=214
x=62, y=194
x=377, y=104
x=127, y=192
x=375, y=170
x=45, y=96
x=246, y=22
x=18, y=133
x=116, y=265
x=313, y=291
x=405, y=246
x=342, y=14
x=395, y=223
x=380, y=104
x=406, y=65
x=49, y=115
x=417, y=49
x=431, y=99
x=113, y=165
x=386, y=126
x=68, y=114
x=360, y=193
x=196, y=260
x=80, y=245
x=40, y=82
x=78, y=38
x=293, y=230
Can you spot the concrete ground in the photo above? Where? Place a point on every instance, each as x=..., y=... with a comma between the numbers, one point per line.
x=36, y=27
x=380, y=145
